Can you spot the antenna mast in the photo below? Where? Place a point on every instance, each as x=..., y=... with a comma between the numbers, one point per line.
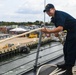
x=44, y=12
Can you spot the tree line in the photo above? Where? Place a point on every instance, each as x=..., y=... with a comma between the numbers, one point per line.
x=3, y=23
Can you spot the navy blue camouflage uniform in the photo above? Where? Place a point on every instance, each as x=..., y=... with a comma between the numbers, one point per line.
x=68, y=23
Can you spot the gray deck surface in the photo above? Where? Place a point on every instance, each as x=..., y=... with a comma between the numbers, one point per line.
x=48, y=70
x=53, y=62
x=21, y=65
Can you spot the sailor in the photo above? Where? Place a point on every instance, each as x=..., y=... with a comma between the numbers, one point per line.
x=64, y=21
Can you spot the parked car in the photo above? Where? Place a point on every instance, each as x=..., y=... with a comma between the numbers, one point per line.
x=33, y=35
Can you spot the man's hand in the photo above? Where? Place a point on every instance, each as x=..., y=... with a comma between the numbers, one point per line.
x=55, y=30
x=45, y=30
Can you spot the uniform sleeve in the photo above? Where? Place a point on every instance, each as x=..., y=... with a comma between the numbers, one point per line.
x=60, y=20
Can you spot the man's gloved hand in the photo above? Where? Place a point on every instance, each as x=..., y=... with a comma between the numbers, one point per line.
x=45, y=30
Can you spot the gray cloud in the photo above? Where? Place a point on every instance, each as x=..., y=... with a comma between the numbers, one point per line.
x=31, y=10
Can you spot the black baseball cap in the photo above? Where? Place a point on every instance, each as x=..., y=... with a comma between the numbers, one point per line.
x=48, y=7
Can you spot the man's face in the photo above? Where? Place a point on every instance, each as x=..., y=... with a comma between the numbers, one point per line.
x=51, y=12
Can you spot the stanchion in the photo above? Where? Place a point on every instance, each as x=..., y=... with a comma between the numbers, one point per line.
x=38, y=48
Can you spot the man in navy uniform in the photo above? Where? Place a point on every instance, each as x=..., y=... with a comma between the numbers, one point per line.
x=64, y=21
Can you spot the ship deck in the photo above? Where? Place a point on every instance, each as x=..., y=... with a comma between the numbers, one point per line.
x=48, y=70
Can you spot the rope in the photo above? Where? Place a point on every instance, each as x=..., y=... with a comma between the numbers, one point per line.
x=44, y=66
x=55, y=72
x=61, y=40
x=20, y=35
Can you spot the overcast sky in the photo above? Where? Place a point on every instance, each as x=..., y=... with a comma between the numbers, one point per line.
x=32, y=10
